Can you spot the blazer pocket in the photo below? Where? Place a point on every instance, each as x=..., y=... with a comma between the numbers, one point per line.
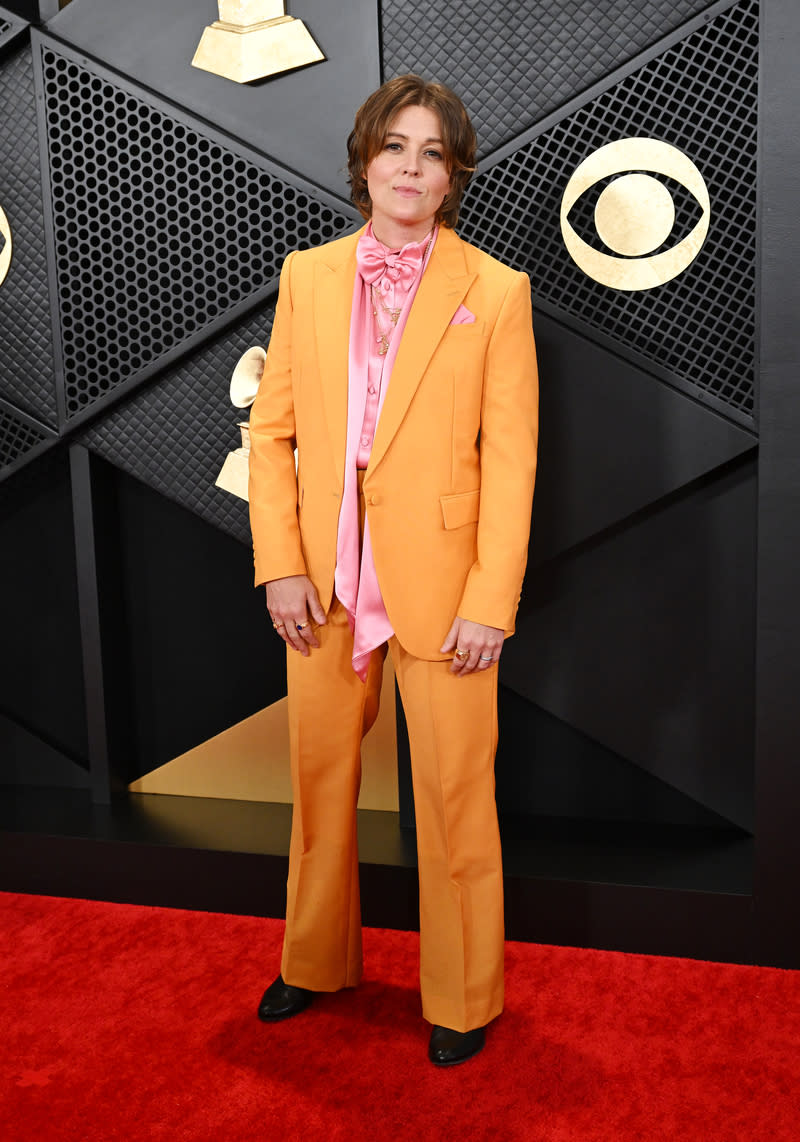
x=460, y=509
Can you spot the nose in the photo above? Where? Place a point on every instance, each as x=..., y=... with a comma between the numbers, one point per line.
x=411, y=167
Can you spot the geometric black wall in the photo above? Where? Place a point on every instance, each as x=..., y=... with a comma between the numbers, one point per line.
x=299, y=118
x=160, y=228
x=697, y=331
x=43, y=734
x=645, y=506
x=152, y=205
x=617, y=500
x=174, y=434
x=12, y=26
x=18, y=436
x=28, y=408
x=513, y=64
x=675, y=697
x=26, y=368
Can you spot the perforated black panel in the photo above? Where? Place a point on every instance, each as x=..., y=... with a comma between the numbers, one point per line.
x=697, y=330
x=514, y=63
x=27, y=375
x=174, y=435
x=160, y=226
x=16, y=438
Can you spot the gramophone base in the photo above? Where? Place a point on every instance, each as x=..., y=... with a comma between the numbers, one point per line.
x=245, y=54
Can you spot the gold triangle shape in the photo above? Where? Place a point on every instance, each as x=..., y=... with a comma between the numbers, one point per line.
x=250, y=761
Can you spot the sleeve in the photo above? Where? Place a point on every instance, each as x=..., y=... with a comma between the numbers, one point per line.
x=508, y=444
x=277, y=548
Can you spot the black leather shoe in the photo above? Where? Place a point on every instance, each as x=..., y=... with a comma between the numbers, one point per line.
x=281, y=1001
x=447, y=1047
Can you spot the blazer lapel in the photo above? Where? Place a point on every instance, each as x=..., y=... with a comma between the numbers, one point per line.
x=333, y=296
x=443, y=287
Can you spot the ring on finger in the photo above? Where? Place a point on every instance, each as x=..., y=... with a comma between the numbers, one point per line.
x=462, y=655
x=302, y=626
x=487, y=658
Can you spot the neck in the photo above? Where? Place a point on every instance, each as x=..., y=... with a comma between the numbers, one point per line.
x=395, y=235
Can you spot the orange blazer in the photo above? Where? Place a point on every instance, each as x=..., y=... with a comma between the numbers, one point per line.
x=449, y=486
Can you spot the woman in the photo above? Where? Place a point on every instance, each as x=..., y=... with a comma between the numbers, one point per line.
x=402, y=367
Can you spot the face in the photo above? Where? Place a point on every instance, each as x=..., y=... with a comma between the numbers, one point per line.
x=408, y=178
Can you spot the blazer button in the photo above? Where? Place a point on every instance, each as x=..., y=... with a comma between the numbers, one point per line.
x=374, y=500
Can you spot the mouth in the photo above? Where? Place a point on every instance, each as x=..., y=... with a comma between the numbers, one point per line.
x=407, y=191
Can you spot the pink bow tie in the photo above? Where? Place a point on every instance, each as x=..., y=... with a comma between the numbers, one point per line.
x=400, y=266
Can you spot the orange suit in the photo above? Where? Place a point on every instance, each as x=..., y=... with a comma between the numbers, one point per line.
x=448, y=492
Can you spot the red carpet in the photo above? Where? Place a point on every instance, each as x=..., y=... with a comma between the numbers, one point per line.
x=137, y=1024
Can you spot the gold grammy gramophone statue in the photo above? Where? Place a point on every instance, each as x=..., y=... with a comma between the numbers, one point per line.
x=244, y=386
x=253, y=39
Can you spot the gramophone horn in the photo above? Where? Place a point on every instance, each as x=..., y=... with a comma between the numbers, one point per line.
x=247, y=377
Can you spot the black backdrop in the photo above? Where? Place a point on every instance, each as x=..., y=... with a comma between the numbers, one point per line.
x=650, y=687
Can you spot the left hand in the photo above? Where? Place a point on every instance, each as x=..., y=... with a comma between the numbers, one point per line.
x=483, y=645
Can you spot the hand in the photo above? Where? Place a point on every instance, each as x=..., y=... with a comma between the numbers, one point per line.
x=290, y=602
x=483, y=645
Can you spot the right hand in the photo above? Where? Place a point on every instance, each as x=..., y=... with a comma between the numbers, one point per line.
x=294, y=600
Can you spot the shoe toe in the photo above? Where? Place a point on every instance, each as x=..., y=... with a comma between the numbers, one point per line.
x=448, y=1047
x=282, y=1000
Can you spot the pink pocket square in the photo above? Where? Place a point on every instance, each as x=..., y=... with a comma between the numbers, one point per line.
x=462, y=316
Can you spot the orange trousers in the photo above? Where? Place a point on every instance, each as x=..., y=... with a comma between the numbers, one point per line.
x=452, y=725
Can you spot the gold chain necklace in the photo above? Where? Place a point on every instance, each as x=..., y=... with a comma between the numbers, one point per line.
x=392, y=312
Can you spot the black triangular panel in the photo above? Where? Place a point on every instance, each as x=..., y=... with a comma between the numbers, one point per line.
x=26, y=759
x=173, y=435
x=613, y=440
x=644, y=641
x=547, y=768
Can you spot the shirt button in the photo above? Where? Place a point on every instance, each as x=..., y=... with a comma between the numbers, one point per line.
x=365, y=440
x=371, y=389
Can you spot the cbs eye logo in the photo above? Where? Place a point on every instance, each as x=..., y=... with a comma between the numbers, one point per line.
x=5, y=245
x=635, y=214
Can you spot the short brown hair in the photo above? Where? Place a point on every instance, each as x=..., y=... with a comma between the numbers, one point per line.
x=373, y=119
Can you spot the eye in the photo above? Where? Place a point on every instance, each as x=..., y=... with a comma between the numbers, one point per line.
x=630, y=197
x=634, y=214
x=434, y=154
